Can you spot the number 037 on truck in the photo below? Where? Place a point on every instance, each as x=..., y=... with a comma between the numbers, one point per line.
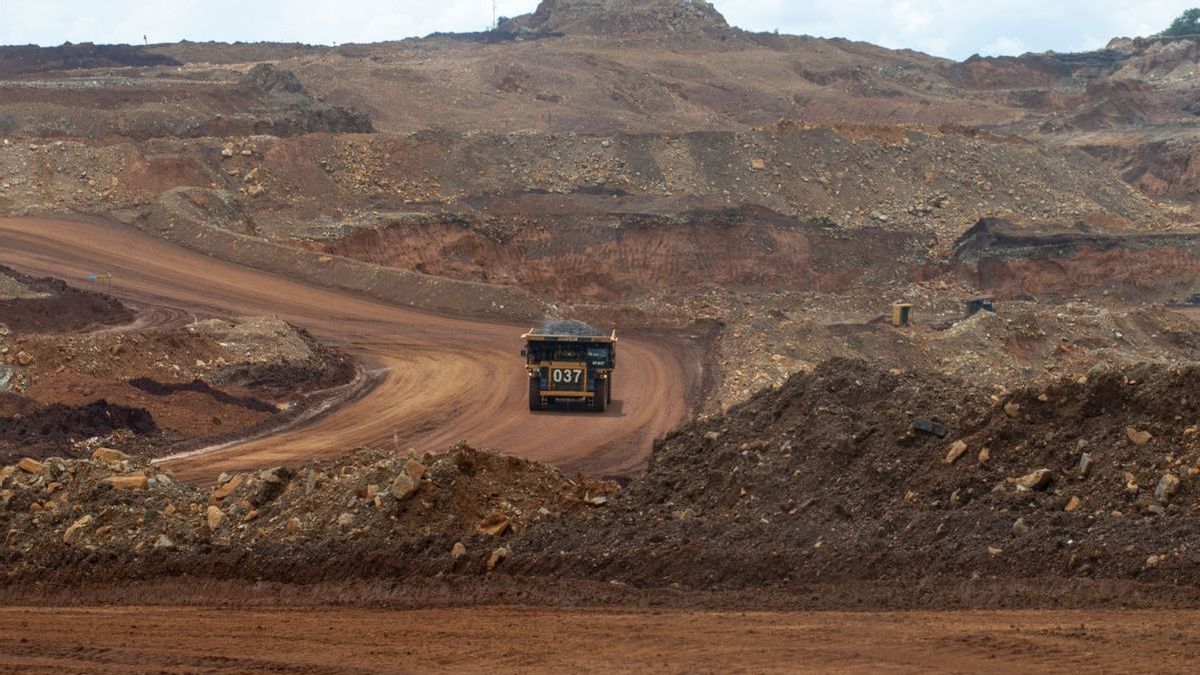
x=569, y=362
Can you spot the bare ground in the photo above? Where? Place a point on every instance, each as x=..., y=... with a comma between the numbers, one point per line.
x=519, y=639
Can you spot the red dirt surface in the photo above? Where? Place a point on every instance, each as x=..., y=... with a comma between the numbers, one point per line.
x=174, y=639
x=448, y=379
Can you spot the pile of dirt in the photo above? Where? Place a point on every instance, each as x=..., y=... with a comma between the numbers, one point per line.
x=49, y=305
x=272, y=357
x=848, y=475
x=266, y=77
x=211, y=380
x=56, y=429
x=833, y=478
x=61, y=514
x=618, y=18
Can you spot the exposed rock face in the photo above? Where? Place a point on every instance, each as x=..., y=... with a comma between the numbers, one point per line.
x=267, y=77
x=620, y=17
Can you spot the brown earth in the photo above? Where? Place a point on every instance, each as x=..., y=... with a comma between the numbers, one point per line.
x=263, y=100
x=522, y=639
x=159, y=384
x=433, y=392
x=50, y=305
x=636, y=163
x=828, y=480
x=27, y=430
x=825, y=493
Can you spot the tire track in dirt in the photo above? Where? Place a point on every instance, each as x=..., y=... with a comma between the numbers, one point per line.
x=448, y=379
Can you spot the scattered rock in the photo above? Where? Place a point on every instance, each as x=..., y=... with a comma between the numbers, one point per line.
x=71, y=532
x=1167, y=486
x=1020, y=528
x=494, y=524
x=345, y=520
x=109, y=456
x=495, y=558
x=228, y=487
x=414, y=469
x=1085, y=465
x=984, y=455
x=458, y=550
x=1137, y=436
x=1131, y=484
x=30, y=465
x=403, y=486
x=163, y=542
x=1012, y=409
x=24, y=359
x=1034, y=480
x=215, y=516
x=930, y=427
x=1072, y=504
x=957, y=448
x=134, y=481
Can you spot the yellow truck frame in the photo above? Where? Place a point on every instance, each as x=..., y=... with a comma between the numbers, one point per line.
x=571, y=368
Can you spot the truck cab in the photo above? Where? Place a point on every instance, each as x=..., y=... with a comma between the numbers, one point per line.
x=573, y=367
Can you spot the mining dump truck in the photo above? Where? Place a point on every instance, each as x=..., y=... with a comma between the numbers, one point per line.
x=569, y=361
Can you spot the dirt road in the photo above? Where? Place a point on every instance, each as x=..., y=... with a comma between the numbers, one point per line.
x=446, y=379
x=506, y=639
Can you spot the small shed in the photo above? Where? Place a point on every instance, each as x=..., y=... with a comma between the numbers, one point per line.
x=901, y=314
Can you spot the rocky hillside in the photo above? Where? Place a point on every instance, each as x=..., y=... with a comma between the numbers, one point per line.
x=616, y=18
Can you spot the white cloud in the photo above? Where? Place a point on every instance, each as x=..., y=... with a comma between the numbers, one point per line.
x=948, y=28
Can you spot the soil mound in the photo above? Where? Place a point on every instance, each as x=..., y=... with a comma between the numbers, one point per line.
x=846, y=477
x=281, y=358
x=332, y=520
x=52, y=429
x=266, y=77
x=830, y=479
x=619, y=17
x=49, y=305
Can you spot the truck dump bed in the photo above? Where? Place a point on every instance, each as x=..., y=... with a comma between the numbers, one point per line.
x=569, y=361
x=566, y=330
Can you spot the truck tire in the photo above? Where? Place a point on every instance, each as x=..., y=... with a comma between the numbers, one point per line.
x=608, y=388
x=600, y=396
x=535, y=393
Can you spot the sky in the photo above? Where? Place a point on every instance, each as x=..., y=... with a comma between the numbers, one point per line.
x=949, y=28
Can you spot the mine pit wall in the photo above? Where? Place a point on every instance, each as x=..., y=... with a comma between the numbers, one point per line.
x=1144, y=268
x=595, y=261
x=1162, y=169
x=175, y=217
